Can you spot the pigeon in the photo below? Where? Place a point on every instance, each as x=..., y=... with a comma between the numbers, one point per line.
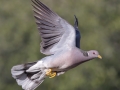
x=61, y=45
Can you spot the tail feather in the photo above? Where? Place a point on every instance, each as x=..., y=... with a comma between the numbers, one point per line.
x=28, y=80
x=21, y=79
x=36, y=76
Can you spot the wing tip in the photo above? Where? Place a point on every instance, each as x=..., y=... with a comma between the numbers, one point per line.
x=76, y=21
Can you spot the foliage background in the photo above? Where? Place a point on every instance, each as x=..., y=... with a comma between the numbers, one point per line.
x=99, y=22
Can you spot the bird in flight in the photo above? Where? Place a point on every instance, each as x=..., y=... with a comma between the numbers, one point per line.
x=61, y=45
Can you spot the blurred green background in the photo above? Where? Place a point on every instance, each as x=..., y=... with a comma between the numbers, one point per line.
x=99, y=22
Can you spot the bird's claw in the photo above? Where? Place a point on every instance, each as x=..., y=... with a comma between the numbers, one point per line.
x=50, y=73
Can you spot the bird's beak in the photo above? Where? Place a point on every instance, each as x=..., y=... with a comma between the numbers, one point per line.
x=99, y=56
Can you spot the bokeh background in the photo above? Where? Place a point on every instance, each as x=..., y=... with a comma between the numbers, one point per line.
x=99, y=23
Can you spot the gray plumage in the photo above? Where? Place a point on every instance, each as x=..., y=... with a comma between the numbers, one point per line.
x=60, y=41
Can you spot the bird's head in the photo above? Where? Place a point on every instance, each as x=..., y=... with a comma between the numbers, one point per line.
x=94, y=54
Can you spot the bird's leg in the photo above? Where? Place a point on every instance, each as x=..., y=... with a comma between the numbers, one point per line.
x=50, y=73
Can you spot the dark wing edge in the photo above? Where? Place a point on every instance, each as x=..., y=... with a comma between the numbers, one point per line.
x=78, y=35
x=48, y=26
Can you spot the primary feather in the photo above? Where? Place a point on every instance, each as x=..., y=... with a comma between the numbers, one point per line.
x=78, y=36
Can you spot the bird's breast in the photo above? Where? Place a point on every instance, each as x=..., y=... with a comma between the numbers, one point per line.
x=72, y=59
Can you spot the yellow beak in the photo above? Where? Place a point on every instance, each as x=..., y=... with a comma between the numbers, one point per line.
x=99, y=56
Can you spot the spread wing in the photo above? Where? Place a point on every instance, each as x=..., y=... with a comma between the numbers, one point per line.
x=55, y=32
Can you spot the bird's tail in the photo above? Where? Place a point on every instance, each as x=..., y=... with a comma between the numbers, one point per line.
x=29, y=80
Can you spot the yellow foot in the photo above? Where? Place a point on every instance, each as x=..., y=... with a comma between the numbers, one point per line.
x=53, y=74
x=50, y=73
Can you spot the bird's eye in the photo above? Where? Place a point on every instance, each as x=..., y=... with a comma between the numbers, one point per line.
x=93, y=52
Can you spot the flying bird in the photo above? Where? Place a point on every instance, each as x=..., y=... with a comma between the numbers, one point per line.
x=61, y=45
